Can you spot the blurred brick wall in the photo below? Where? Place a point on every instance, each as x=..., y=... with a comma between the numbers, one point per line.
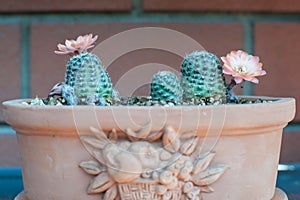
x=30, y=30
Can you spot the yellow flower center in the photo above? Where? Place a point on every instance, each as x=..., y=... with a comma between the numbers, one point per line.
x=241, y=70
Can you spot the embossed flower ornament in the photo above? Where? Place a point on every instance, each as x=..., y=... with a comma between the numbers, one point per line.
x=158, y=165
x=242, y=66
x=81, y=44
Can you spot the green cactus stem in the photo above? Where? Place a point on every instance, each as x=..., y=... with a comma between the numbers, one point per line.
x=202, y=77
x=86, y=75
x=166, y=86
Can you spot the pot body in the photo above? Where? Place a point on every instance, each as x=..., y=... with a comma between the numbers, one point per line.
x=245, y=138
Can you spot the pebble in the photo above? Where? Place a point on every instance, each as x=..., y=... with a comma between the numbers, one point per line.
x=147, y=101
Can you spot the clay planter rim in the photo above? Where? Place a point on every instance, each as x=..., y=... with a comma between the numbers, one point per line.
x=243, y=117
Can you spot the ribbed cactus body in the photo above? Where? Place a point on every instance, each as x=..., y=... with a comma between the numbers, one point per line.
x=166, y=86
x=86, y=75
x=202, y=76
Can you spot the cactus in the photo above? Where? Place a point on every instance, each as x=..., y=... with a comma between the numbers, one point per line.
x=86, y=80
x=202, y=76
x=166, y=86
x=87, y=76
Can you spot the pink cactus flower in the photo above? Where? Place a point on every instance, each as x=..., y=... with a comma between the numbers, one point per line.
x=242, y=66
x=81, y=44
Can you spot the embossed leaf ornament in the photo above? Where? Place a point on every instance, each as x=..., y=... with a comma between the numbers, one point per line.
x=149, y=165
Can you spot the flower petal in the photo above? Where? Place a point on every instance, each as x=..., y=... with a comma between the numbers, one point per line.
x=61, y=52
x=238, y=79
x=94, y=39
x=225, y=61
x=61, y=47
x=254, y=80
x=227, y=70
x=81, y=44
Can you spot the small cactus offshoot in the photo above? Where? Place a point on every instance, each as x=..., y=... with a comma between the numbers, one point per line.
x=86, y=81
x=166, y=86
x=202, y=76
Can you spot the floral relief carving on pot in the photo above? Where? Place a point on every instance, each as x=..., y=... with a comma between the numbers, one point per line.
x=148, y=165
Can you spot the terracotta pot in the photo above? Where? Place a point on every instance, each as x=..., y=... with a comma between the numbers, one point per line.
x=221, y=152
